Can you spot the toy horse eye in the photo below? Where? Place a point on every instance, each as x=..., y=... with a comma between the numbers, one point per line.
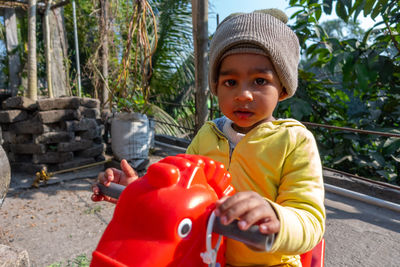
x=184, y=228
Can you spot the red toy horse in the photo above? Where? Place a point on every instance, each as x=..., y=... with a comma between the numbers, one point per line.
x=161, y=218
x=165, y=218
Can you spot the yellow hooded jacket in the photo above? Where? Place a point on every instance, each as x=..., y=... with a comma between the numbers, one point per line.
x=280, y=161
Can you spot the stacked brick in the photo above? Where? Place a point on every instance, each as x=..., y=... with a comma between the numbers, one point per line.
x=56, y=133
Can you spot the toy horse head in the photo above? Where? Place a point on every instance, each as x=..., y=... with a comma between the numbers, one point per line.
x=161, y=218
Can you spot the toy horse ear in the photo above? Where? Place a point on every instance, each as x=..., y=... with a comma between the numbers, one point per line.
x=162, y=175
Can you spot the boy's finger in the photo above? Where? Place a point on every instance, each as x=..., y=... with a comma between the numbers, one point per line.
x=218, y=203
x=96, y=198
x=112, y=175
x=225, y=203
x=270, y=227
x=110, y=199
x=128, y=170
x=237, y=205
x=253, y=216
x=250, y=211
x=101, y=177
x=221, y=200
x=95, y=189
x=236, y=201
x=108, y=177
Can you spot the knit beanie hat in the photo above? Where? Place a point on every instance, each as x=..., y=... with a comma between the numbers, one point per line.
x=262, y=32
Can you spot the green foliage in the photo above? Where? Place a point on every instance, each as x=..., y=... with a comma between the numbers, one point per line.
x=171, y=125
x=172, y=82
x=93, y=210
x=172, y=63
x=350, y=80
x=88, y=39
x=79, y=261
x=339, y=29
x=139, y=47
x=174, y=50
x=172, y=77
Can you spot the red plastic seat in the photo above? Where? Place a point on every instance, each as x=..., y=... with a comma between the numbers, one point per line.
x=314, y=257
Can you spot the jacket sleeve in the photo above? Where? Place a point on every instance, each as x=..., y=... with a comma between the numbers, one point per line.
x=300, y=200
x=193, y=147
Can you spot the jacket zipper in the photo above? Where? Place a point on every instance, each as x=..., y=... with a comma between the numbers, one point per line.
x=231, y=148
x=230, y=154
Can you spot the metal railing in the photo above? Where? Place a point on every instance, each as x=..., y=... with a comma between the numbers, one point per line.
x=309, y=124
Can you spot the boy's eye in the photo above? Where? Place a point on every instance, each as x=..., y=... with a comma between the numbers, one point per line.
x=260, y=81
x=230, y=83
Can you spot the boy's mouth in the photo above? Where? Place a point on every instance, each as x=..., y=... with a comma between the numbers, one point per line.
x=241, y=114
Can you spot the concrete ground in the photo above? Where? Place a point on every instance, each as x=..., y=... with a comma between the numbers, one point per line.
x=359, y=234
x=58, y=222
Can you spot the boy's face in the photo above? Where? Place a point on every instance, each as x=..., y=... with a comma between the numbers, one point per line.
x=248, y=90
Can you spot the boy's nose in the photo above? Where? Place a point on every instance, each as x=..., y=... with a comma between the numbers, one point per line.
x=244, y=94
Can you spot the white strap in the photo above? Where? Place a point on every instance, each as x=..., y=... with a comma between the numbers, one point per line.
x=210, y=255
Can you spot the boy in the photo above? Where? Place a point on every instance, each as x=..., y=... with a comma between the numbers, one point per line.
x=275, y=165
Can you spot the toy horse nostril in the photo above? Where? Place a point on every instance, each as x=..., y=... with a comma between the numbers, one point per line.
x=162, y=175
x=184, y=228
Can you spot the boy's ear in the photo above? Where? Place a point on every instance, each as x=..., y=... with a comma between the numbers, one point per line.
x=283, y=95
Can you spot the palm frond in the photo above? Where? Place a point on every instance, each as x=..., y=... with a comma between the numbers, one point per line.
x=174, y=46
x=167, y=125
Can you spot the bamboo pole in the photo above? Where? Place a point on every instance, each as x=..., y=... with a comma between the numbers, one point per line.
x=48, y=51
x=104, y=20
x=32, y=60
x=78, y=67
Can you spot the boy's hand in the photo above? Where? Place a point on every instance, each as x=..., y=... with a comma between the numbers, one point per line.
x=124, y=177
x=251, y=209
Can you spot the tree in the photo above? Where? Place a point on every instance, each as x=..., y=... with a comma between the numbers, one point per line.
x=173, y=63
x=200, y=33
x=57, y=65
x=339, y=29
x=104, y=26
x=365, y=93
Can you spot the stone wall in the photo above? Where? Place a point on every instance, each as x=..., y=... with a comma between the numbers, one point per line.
x=56, y=133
